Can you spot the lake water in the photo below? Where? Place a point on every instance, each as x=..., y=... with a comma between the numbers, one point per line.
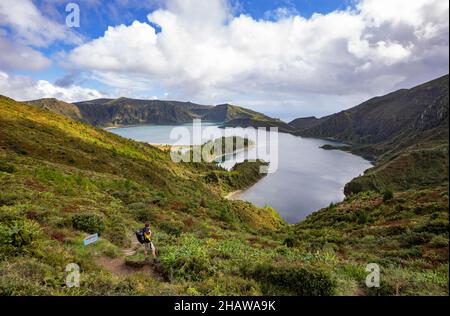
x=305, y=178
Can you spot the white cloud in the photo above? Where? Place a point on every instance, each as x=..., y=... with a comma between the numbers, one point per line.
x=16, y=56
x=25, y=88
x=203, y=53
x=30, y=27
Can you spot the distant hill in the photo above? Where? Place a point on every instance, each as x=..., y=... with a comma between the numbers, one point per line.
x=59, y=107
x=393, y=121
x=405, y=131
x=62, y=180
x=126, y=111
x=228, y=112
x=257, y=123
x=304, y=123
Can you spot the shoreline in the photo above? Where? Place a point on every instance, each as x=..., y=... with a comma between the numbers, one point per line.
x=232, y=196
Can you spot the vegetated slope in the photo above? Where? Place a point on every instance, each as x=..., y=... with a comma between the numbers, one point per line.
x=60, y=107
x=304, y=123
x=258, y=123
x=396, y=215
x=61, y=180
x=405, y=233
x=125, y=111
x=228, y=112
x=29, y=133
x=236, y=116
x=393, y=121
x=406, y=131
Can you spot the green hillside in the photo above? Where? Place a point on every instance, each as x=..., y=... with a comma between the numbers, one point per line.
x=228, y=112
x=396, y=214
x=405, y=132
x=62, y=180
x=391, y=122
x=125, y=111
x=60, y=107
x=303, y=123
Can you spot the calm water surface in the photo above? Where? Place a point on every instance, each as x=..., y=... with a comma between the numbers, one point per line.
x=307, y=178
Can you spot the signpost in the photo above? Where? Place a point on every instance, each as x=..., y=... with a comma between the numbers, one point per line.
x=90, y=239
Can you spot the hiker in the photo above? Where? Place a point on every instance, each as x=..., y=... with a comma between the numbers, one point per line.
x=148, y=244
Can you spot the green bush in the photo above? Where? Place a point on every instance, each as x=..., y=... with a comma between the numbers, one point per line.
x=289, y=242
x=387, y=288
x=6, y=167
x=414, y=239
x=116, y=231
x=439, y=241
x=8, y=199
x=362, y=217
x=300, y=281
x=436, y=226
x=89, y=223
x=189, y=260
x=144, y=215
x=171, y=228
x=19, y=233
x=388, y=195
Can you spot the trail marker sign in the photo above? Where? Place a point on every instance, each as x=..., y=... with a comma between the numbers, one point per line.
x=90, y=239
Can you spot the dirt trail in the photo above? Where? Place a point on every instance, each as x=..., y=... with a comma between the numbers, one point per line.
x=118, y=266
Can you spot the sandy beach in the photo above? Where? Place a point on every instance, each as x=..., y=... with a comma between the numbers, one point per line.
x=233, y=195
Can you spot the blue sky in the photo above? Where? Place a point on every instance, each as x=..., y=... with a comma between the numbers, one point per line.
x=274, y=56
x=97, y=16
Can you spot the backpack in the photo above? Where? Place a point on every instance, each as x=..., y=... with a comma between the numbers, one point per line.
x=140, y=236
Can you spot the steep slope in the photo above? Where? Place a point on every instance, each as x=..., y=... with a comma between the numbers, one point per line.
x=236, y=116
x=59, y=107
x=303, y=123
x=28, y=133
x=124, y=111
x=228, y=112
x=405, y=131
x=396, y=120
x=61, y=180
x=257, y=123
x=405, y=234
x=396, y=215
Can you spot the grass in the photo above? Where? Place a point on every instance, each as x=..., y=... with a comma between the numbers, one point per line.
x=61, y=180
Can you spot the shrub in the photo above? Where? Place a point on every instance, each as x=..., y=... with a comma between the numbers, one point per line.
x=436, y=226
x=387, y=288
x=116, y=231
x=6, y=167
x=189, y=260
x=439, y=241
x=144, y=215
x=301, y=281
x=225, y=215
x=414, y=239
x=7, y=199
x=19, y=233
x=289, y=242
x=89, y=223
x=388, y=195
x=362, y=217
x=171, y=228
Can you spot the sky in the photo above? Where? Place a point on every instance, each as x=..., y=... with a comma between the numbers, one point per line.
x=286, y=58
